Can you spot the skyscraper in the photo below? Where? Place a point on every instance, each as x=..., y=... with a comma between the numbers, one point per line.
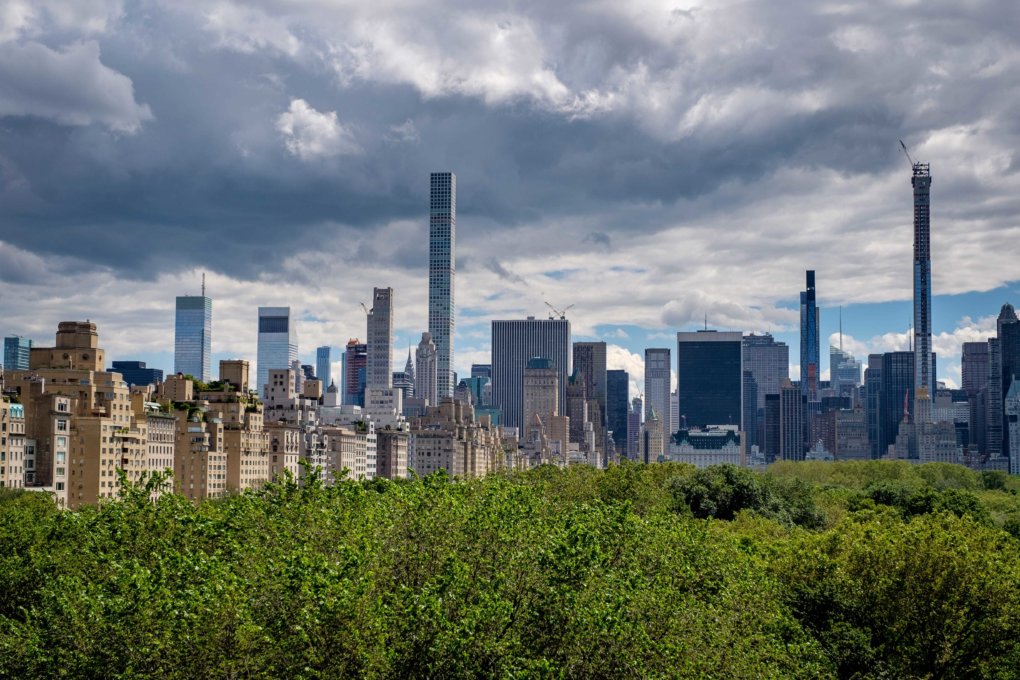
x=872, y=404
x=710, y=377
x=442, y=271
x=844, y=371
x=16, y=352
x=355, y=372
x=974, y=366
x=277, y=343
x=897, y=390
x=426, y=376
x=380, y=339
x=323, y=367
x=809, y=348
x=1009, y=348
x=768, y=361
x=921, y=181
x=658, y=381
x=590, y=364
x=634, y=428
x=617, y=405
x=514, y=342
x=193, y=336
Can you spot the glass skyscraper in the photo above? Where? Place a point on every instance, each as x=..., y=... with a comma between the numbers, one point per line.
x=16, y=352
x=710, y=377
x=514, y=343
x=617, y=407
x=442, y=271
x=921, y=181
x=193, y=336
x=323, y=368
x=277, y=345
x=810, y=352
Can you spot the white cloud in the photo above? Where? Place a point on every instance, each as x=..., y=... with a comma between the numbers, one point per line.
x=310, y=134
x=70, y=86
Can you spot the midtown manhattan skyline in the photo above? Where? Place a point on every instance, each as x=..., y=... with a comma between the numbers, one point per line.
x=630, y=161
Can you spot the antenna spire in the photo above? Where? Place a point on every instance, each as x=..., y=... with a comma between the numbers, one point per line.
x=841, y=328
x=203, y=284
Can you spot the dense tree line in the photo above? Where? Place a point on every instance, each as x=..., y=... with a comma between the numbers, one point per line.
x=851, y=570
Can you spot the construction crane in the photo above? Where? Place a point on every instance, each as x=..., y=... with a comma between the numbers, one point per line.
x=909, y=157
x=365, y=307
x=557, y=312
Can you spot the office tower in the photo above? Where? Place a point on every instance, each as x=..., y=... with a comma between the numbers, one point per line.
x=323, y=367
x=995, y=432
x=791, y=422
x=710, y=377
x=750, y=418
x=658, y=385
x=380, y=339
x=193, y=335
x=921, y=181
x=355, y=372
x=541, y=391
x=617, y=402
x=481, y=371
x=1009, y=352
x=674, y=414
x=514, y=342
x=1011, y=413
x=810, y=369
x=308, y=371
x=16, y=353
x=590, y=364
x=974, y=366
x=442, y=273
x=653, y=440
x=426, y=373
x=844, y=371
x=409, y=371
x=277, y=343
x=897, y=392
x=873, y=390
x=135, y=373
x=634, y=428
x=771, y=430
x=768, y=361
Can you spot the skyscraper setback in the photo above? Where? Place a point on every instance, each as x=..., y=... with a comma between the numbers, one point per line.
x=809, y=345
x=442, y=271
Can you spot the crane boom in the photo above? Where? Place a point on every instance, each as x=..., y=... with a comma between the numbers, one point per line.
x=907, y=153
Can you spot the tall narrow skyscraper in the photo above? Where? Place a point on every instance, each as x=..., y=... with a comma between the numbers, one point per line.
x=442, y=270
x=658, y=385
x=193, y=336
x=277, y=345
x=323, y=368
x=380, y=339
x=809, y=348
x=921, y=181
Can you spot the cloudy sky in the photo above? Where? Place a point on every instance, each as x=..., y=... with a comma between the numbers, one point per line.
x=648, y=162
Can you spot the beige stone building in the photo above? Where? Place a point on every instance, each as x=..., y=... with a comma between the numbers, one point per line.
x=12, y=445
x=284, y=450
x=200, y=461
x=450, y=438
x=80, y=424
x=391, y=453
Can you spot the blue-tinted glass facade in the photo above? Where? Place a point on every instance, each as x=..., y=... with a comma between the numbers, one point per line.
x=323, y=368
x=617, y=407
x=810, y=368
x=193, y=336
x=277, y=342
x=135, y=373
x=16, y=352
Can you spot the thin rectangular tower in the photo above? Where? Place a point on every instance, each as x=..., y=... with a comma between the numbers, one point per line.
x=442, y=270
x=921, y=181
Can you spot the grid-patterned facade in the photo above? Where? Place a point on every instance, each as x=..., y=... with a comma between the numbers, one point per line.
x=768, y=361
x=710, y=377
x=380, y=339
x=923, y=369
x=442, y=272
x=193, y=336
x=323, y=367
x=658, y=384
x=513, y=344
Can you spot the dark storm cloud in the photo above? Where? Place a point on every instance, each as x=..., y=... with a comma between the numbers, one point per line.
x=609, y=122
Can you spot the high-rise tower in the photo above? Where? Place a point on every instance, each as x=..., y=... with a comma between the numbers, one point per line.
x=442, y=268
x=277, y=343
x=921, y=181
x=809, y=346
x=380, y=339
x=193, y=335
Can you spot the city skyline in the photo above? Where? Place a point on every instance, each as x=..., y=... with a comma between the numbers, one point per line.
x=312, y=184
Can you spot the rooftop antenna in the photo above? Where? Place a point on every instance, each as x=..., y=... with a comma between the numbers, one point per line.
x=841, y=328
x=706, y=321
x=203, y=284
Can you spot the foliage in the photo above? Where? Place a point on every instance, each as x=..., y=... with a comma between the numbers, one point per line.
x=634, y=571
